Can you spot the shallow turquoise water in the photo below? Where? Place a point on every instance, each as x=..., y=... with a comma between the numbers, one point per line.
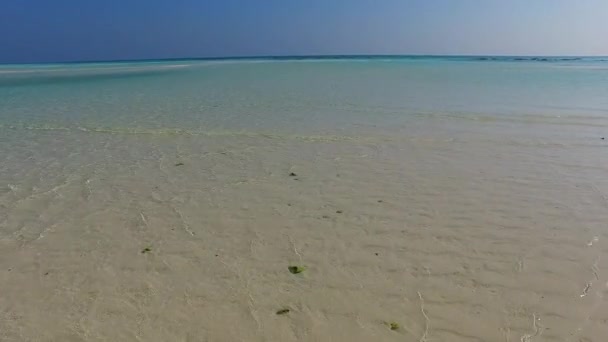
x=475, y=186
x=310, y=96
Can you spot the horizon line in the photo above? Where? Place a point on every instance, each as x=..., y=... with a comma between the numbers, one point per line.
x=299, y=56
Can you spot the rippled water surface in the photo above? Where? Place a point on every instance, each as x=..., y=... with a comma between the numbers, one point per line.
x=463, y=198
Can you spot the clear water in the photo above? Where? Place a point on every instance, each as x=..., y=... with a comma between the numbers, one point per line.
x=308, y=96
x=464, y=198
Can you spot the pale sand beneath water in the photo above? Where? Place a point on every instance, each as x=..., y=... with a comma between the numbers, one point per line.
x=455, y=238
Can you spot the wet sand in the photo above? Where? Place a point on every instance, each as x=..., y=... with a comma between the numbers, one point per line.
x=456, y=231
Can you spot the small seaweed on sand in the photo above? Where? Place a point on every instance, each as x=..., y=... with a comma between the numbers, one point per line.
x=296, y=269
x=339, y=211
x=179, y=164
x=292, y=174
x=393, y=325
x=146, y=250
x=283, y=312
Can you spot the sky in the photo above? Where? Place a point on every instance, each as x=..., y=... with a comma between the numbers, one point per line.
x=80, y=30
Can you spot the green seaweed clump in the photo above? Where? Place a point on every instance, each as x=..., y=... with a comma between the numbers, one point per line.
x=146, y=250
x=179, y=164
x=393, y=325
x=283, y=312
x=296, y=269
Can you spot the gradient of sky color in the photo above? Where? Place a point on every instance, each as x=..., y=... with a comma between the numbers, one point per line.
x=74, y=30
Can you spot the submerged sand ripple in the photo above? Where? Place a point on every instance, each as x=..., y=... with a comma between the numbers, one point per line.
x=454, y=236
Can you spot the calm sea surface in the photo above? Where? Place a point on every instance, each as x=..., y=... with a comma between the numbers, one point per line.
x=463, y=198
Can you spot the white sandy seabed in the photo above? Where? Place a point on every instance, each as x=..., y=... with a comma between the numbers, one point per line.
x=468, y=231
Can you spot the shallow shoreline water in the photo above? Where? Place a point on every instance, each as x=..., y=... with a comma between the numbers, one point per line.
x=464, y=201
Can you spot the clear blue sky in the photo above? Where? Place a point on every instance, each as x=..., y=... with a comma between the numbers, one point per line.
x=58, y=30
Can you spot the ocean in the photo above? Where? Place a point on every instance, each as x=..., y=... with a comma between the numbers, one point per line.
x=462, y=198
